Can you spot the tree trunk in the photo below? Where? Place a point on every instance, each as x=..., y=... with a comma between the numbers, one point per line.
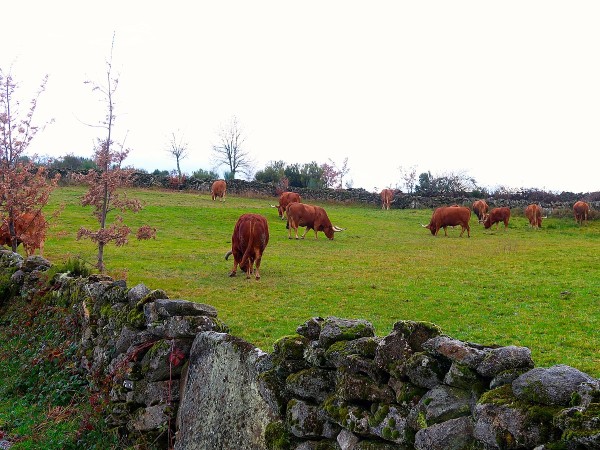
x=100, y=264
x=13, y=234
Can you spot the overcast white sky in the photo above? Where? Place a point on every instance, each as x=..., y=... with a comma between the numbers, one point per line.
x=505, y=92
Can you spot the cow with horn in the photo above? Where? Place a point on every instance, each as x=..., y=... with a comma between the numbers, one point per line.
x=311, y=217
x=449, y=216
x=284, y=200
x=497, y=215
x=480, y=208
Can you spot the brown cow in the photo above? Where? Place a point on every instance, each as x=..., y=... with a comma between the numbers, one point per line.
x=497, y=215
x=311, y=217
x=581, y=210
x=480, y=208
x=218, y=189
x=285, y=199
x=387, y=198
x=30, y=229
x=248, y=242
x=449, y=216
x=533, y=213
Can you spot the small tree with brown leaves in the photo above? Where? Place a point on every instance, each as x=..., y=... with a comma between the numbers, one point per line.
x=330, y=175
x=337, y=174
x=24, y=188
x=106, y=184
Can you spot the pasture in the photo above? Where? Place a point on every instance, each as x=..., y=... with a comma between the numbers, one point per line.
x=533, y=288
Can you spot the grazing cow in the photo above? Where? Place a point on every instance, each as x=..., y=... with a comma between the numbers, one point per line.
x=534, y=214
x=311, y=217
x=480, y=208
x=449, y=216
x=285, y=199
x=248, y=242
x=30, y=230
x=497, y=215
x=218, y=189
x=581, y=210
x=387, y=198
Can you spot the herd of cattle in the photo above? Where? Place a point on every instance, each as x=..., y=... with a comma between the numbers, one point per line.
x=251, y=231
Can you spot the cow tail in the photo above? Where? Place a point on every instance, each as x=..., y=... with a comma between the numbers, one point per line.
x=250, y=246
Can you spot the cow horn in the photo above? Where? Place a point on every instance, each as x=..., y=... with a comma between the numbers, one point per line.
x=227, y=254
x=273, y=206
x=424, y=226
x=335, y=228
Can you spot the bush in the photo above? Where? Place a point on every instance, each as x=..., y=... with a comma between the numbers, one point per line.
x=202, y=174
x=7, y=289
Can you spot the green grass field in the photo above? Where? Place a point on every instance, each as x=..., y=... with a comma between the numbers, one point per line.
x=533, y=288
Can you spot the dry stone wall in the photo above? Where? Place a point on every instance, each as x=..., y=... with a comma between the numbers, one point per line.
x=178, y=378
x=548, y=201
x=362, y=196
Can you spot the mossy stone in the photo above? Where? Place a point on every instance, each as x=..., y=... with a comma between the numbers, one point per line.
x=277, y=436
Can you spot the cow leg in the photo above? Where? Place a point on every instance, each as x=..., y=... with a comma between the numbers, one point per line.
x=256, y=271
x=234, y=270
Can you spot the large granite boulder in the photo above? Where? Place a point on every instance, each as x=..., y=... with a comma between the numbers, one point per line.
x=221, y=406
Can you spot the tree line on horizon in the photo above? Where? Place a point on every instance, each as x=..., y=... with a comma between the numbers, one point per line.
x=314, y=176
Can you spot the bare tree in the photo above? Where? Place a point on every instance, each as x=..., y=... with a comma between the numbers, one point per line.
x=179, y=150
x=24, y=188
x=230, y=152
x=104, y=183
x=409, y=177
x=341, y=172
